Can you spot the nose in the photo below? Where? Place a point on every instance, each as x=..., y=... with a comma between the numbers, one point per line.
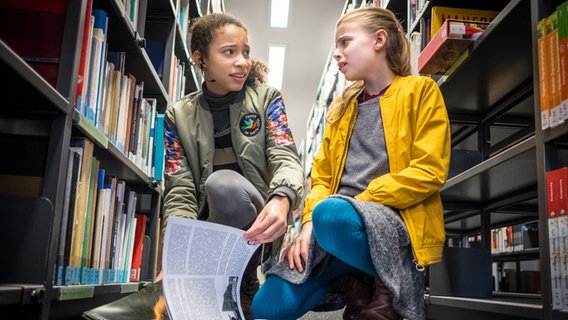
x=241, y=60
x=336, y=54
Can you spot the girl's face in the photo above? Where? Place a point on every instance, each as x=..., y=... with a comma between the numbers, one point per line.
x=355, y=51
x=228, y=62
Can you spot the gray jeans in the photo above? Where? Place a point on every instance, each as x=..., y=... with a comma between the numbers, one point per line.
x=232, y=199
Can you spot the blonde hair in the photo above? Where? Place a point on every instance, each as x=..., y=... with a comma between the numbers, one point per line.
x=374, y=19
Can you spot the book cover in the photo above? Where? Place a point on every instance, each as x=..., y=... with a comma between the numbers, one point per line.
x=562, y=209
x=105, y=115
x=562, y=14
x=139, y=234
x=129, y=120
x=543, y=73
x=159, y=152
x=122, y=117
x=98, y=221
x=553, y=207
x=116, y=212
x=146, y=142
x=440, y=14
x=89, y=223
x=453, y=38
x=85, y=52
x=110, y=229
x=86, y=147
x=101, y=22
x=66, y=231
x=151, y=142
x=156, y=50
x=106, y=193
x=138, y=96
x=552, y=43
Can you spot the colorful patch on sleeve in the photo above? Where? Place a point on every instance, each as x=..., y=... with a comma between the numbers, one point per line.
x=174, y=151
x=250, y=124
x=278, y=123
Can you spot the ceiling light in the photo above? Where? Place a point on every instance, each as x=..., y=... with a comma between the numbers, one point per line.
x=279, y=13
x=276, y=54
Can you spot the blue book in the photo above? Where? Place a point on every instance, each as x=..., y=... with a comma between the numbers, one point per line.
x=159, y=148
x=101, y=22
x=156, y=50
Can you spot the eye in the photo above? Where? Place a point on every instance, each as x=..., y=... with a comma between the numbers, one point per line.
x=246, y=52
x=229, y=52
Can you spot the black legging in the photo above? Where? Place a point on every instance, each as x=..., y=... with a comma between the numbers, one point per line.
x=232, y=199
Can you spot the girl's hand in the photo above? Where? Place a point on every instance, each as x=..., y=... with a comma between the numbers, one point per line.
x=297, y=251
x=271, y=223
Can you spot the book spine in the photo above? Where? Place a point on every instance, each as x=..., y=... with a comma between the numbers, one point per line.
x=562, y=13
x=555, y=90
x=552, y=190
x=543, y=73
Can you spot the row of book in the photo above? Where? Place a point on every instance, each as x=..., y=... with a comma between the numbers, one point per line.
x=112, y=99
x=101, y=235
x=552, y=46
x=557, y=206
x=514, y=238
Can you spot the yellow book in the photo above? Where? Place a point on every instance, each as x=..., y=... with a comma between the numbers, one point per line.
x=543, y=73
x=554, y=74
x=86, y=147
x=440, y=14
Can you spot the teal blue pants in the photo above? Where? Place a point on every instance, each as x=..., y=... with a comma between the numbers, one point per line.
x=339, y=230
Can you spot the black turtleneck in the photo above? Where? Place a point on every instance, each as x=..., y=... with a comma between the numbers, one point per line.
x=224, y=156
x=219, y=107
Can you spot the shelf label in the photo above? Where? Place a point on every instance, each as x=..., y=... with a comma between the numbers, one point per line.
x=76, y=292
x=129, y=287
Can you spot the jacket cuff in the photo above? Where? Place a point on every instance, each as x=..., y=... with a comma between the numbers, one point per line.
x=364, y=196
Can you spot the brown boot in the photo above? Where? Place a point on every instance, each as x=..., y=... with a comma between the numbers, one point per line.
x=357, y=288
x=380, y=307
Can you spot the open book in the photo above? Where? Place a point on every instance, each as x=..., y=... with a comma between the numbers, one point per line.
x=203, y=265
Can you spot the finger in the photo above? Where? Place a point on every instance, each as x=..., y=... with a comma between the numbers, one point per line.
x=258, y=227
x=298, y=261
x=270, y=233
x=290, y=257
x=304, y=247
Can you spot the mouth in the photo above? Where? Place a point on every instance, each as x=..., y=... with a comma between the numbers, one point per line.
x=239, y=76
x=341, y=65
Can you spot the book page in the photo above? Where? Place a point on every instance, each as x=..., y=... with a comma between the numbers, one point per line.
x=203, y=265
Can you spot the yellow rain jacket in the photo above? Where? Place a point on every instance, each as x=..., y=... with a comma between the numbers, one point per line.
x=417, y=135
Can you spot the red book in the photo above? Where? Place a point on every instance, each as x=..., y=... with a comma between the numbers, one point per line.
x=553, y=207
x=34, y=30
x=85, y=53
x=138, y=244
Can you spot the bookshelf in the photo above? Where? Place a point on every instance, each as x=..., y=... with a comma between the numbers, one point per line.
x=39, y=120
x=500, y=155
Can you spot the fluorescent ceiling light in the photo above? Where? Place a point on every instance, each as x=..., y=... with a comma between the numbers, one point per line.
x=276, y=54
x=279, y=13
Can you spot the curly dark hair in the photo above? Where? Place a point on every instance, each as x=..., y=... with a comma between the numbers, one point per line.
x=203, y=30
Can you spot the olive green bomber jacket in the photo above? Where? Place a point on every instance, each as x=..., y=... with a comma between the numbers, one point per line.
x=417, y=135
x=262, y=141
